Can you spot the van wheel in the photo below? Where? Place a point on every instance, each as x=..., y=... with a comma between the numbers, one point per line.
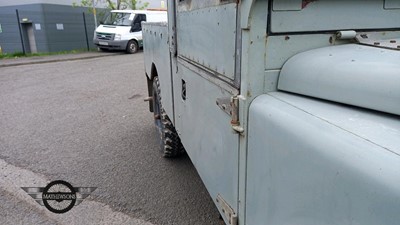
x=170, y=143
x=132, y=47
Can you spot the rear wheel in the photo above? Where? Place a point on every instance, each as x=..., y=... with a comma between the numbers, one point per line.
x=132, y=47
x=170, y=143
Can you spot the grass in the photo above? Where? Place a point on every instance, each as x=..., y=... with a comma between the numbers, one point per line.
x=21, y=54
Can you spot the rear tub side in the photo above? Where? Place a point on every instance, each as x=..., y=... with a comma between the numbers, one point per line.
x=312, y=162
x=157, y=62
x=205, y=130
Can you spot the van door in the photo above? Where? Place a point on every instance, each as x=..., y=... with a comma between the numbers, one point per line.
x=136, y=29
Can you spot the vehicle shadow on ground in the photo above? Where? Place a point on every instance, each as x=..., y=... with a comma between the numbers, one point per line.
x=156, y=189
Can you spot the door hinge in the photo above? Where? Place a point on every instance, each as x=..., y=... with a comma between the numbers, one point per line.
x=230, y=105
x=375, y=40
x=227, y=210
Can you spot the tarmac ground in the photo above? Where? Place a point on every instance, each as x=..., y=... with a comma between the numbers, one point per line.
x=81, y=118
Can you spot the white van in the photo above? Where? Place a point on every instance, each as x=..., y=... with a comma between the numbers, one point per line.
x=122, y=29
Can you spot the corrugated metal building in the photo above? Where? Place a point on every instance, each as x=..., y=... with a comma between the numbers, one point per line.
x=45, y=28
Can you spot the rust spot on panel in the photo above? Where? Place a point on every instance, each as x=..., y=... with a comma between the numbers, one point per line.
x=306, y=2
x=248, y=94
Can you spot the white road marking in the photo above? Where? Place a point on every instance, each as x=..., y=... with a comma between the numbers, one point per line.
x=12, y=178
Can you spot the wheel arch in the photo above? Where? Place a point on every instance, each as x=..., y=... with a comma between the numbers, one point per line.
x=134, y=39
x=150, y=78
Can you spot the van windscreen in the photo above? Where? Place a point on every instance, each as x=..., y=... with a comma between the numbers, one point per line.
x=119, y=19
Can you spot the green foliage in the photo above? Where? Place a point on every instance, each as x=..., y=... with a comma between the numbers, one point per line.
x=21, y=54
x=114, y=4
x=136, y=4
x=110, y=5
x=11, y=55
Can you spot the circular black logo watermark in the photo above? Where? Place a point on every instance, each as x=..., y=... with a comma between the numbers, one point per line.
x=59, y=196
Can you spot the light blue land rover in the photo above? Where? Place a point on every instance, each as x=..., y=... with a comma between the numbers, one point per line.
x=289, y=109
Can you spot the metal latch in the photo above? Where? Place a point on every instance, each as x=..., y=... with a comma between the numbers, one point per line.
x=227, y=211
x=230, y=105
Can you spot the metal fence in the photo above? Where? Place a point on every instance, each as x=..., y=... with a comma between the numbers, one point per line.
x=45, y=30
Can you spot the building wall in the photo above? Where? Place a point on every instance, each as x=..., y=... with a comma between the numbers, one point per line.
x=72, y=36
x=44, y=19
x=10, y=40
x=34, y=14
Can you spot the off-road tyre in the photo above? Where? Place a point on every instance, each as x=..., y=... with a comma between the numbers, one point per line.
x=132, y=47
x=170, y=143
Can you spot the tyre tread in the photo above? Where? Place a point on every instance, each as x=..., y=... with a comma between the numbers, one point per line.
x=172, y=145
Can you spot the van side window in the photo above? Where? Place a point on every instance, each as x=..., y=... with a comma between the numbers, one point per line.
x=137, y=22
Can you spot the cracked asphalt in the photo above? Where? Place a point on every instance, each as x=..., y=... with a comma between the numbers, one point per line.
x=85, y=122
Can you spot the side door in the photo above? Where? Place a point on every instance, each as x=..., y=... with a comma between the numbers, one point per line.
x=136, y=29
x=204, y=77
